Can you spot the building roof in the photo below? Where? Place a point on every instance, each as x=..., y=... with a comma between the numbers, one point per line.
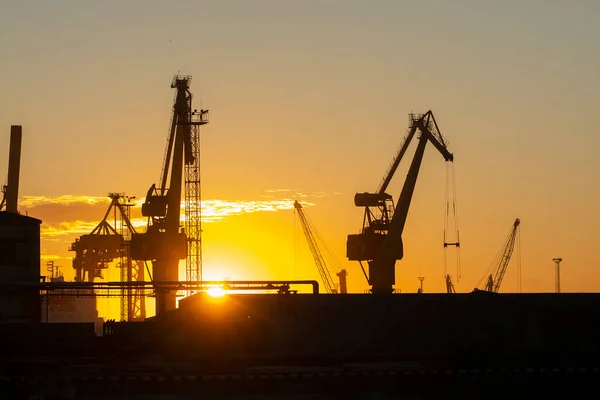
x=10, y=218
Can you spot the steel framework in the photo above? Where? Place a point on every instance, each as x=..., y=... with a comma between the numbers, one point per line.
x=108, y=242
x=133, y=306
x=193, y=200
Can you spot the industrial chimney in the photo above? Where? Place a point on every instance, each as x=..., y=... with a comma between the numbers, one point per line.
x=14, y=166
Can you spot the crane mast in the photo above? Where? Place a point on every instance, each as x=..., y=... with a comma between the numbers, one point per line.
x=380, y=241
x=312, y=237
x=497, y=269
x=164, y=243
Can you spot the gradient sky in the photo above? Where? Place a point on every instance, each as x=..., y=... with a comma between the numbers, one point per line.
x=313, y=97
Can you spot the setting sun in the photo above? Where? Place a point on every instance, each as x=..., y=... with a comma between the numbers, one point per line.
x=216, y=292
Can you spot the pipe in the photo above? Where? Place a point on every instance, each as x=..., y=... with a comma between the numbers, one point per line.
x=169, y=285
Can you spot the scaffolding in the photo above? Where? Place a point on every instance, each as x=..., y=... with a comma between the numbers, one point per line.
x=193, y=199
x=133, y=306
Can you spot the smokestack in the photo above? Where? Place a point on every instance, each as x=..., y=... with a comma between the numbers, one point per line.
x=14, y=166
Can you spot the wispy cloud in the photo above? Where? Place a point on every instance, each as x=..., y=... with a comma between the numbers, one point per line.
x=45, y=256
x=35, y=201
x=277, y=190
x=67, y=228
x=71, y=216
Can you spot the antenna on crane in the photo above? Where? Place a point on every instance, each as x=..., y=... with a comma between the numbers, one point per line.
x=557, y=262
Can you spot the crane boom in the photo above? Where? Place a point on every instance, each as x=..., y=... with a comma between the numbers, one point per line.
x=311, y=235
x=380, y=241
x=495, y=273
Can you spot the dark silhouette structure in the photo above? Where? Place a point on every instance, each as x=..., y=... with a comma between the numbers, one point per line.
x=380, y=241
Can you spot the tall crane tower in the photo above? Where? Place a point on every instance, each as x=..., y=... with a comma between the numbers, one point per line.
x=164, y=243
x=495, y=273
x=316, y=243
x=380, y=241
x=557, y=262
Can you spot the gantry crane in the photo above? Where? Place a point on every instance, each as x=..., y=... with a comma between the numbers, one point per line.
x=316, y=243
x=492, y=279
x=95, y=251
x=164, y=243
x=380, y=240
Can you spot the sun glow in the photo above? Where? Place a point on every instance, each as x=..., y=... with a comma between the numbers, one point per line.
x=216, y=292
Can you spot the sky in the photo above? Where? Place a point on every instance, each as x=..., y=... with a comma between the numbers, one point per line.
x=310, y=100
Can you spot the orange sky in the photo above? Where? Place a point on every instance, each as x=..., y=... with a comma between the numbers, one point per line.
x=313, y=97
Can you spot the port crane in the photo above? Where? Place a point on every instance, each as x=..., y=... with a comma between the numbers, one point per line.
x=106, y=243
x=492, y=279
x=313, y=239
x=379, y=243
x=165, y=243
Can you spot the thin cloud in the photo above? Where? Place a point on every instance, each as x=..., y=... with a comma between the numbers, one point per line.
x=277, y=190
x=211, y=211
x=84, y=212
x=67, y=228
x=35, y=201
x=51, y=257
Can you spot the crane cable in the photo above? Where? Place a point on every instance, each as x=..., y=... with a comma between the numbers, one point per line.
x=451, y=220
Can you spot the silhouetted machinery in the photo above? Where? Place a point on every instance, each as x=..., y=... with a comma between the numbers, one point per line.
x=495, y=273
x=380, y=241
x=107, y=242
x=164, y=243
